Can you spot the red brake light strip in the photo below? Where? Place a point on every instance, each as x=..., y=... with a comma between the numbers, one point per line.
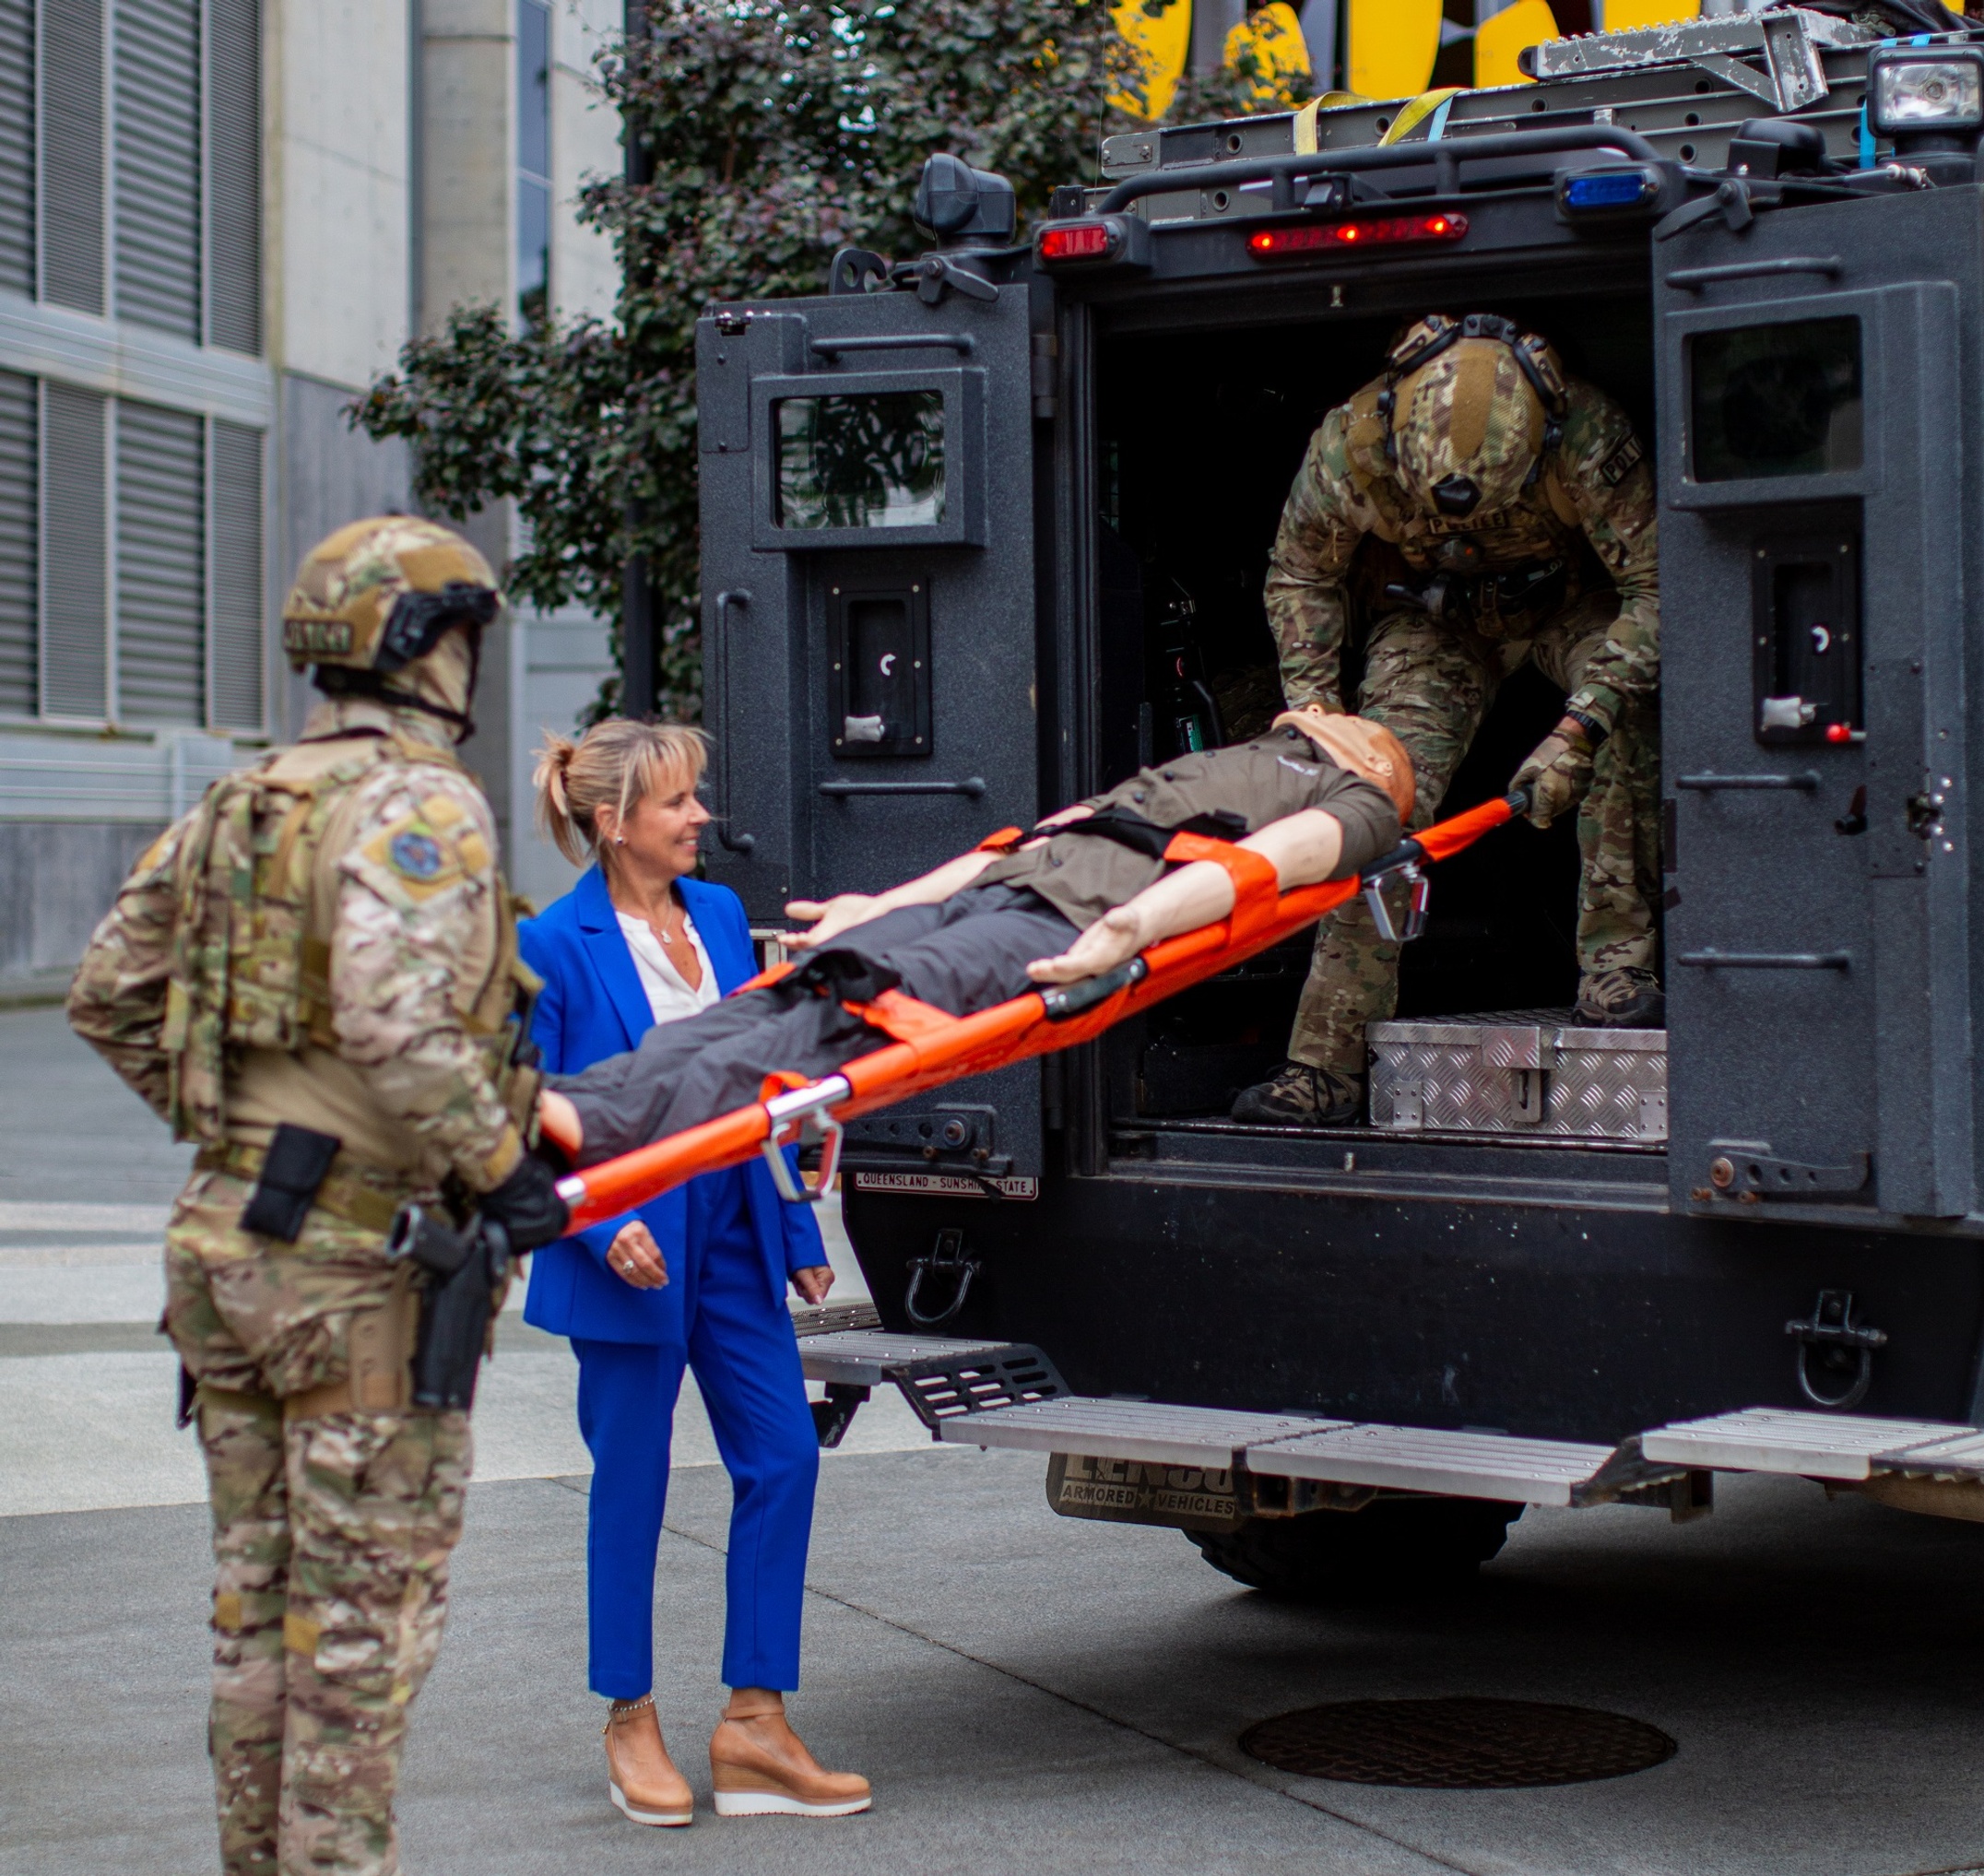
x=1383, y=231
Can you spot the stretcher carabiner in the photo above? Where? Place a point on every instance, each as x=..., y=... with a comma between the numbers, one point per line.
x=805, y=1112
x=1416, y=916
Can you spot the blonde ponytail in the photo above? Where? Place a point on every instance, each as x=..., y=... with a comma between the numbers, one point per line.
x=615, y=764
x=554, y=795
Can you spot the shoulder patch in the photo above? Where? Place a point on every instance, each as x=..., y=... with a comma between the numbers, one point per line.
x=416, y=857
x=1627, y=457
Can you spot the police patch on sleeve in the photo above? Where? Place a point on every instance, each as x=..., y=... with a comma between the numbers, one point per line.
x=418, y=856
x=413, y=859
x=1623, y=461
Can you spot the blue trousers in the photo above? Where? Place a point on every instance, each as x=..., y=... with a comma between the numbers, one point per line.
x=738, y=1339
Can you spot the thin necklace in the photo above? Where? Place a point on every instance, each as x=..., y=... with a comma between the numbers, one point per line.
x=680, y=935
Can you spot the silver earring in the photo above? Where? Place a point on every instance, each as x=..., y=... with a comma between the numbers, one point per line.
x=619, y=840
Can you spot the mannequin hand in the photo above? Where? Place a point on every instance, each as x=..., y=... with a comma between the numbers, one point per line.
x=560, y=1121
x=813, y=1282
x=1115, y=937
x=635, y=1258
x=828, y=917
x=1557, y=773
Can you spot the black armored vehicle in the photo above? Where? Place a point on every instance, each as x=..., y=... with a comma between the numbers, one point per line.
x=985, y=529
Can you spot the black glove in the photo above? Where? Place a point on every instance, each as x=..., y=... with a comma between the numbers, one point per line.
x=528, y=1206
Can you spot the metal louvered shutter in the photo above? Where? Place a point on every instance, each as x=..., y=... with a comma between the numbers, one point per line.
x=19, y=427
x=158, y=64
x=75, y=558
x=71, y=123
x=16, y=144
x=234, y=572
x=233, y=174
x=161, y=569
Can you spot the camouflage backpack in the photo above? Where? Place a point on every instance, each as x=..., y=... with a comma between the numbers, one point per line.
x=246, y=970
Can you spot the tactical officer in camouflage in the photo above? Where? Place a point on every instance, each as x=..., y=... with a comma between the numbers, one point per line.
x=1521, y=503
x=314, y=976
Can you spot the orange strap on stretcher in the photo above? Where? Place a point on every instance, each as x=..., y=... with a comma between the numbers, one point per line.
x=1256, y=885
x=930, y=1049
x=768, y=975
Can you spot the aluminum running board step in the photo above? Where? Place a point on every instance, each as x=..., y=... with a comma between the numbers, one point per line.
x=1820, y=1445
x=1008, y=1395
x=942, y=1377
x=1460, y=1465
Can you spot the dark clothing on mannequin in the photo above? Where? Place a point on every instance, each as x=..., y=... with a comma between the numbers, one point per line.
x=965, y=953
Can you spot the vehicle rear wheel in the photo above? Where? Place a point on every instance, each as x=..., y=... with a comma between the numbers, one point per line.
x=1393, y=1545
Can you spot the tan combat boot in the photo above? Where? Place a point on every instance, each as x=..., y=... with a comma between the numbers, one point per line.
x=761, y=1768
x=641, y=1776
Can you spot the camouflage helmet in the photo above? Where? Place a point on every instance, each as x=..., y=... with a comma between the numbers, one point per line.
x=1472, y=408
x=379, y=594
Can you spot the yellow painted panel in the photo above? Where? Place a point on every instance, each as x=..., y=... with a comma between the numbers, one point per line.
x=1629, y=16
x=1498, y=41
x=1161, y=31
x=1271, y=35
x=1393, y=46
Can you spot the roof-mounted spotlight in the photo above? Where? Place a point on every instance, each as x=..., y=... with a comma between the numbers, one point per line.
x=1930, y=102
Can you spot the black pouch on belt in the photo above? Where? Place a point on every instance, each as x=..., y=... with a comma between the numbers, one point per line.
x=297, y=1164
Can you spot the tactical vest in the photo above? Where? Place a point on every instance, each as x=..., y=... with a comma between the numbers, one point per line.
x=251, y=954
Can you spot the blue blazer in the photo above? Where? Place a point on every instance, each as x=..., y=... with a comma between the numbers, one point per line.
x=593, y=1006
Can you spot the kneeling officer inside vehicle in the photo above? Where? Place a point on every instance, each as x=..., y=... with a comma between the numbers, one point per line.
x=314, y=976
x=1522, y=506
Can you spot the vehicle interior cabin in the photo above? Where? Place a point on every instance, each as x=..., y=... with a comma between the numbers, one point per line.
x=1199, y=434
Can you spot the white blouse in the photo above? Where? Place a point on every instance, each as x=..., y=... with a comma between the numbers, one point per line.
x=668, y=995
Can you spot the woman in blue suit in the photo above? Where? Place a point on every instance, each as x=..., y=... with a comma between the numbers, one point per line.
x=698, y=1275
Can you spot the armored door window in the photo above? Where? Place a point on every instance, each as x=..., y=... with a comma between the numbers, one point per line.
x=866, y=459
x=1781, y=399
x=873, y=461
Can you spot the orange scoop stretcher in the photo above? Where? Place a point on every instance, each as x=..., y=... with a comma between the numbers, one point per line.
x=929, y=1047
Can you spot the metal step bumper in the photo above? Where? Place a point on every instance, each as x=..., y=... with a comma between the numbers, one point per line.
x=1007, y=1395
x=1822, y=1445
x=1332, y=1452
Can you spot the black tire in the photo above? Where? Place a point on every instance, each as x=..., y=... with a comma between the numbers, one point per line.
x=1394, y=1546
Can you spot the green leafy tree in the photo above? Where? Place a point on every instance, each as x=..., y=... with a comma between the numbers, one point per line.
x=778, y=133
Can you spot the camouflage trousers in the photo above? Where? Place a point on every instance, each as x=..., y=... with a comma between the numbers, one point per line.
x=332, y=1533
x=1430, y=685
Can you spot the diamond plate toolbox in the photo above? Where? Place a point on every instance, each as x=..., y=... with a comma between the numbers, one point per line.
x=1519, y=1072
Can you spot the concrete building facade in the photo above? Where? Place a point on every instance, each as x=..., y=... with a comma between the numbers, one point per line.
x=220, y=220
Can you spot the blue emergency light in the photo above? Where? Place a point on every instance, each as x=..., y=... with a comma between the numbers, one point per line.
x=1612, y=193
x=1624, y=189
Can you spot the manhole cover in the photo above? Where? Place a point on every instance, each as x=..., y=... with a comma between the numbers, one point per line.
x=1457, y=1745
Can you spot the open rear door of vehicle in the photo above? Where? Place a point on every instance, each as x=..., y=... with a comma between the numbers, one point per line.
x=1819, y=539
x=869, y=610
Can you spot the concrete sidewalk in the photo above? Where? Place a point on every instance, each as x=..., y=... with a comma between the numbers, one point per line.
x=1036, y=1693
